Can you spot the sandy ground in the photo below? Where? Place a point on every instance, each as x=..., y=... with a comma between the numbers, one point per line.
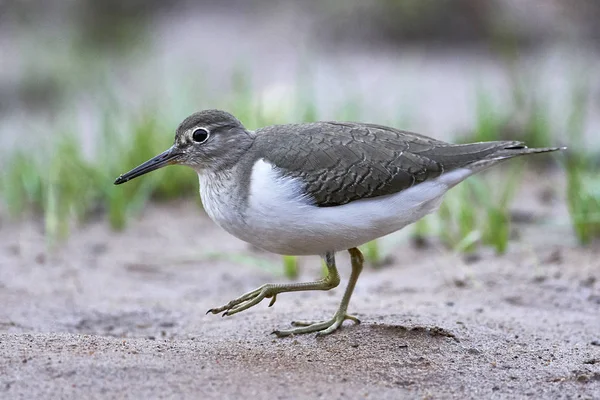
x=122, y=316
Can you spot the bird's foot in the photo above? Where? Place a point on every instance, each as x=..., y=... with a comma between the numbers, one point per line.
x=321, y=327
x=248, y=300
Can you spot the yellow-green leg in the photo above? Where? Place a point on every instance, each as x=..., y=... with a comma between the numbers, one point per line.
x=271, y=290
x=329, y=326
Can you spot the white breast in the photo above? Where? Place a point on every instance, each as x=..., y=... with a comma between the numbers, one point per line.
x=221, y=202
x=280, y=218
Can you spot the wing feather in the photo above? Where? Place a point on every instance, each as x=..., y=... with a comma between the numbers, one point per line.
x=343, y=162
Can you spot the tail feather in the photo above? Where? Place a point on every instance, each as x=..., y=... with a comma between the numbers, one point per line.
x=513, y=149
x=521, y=150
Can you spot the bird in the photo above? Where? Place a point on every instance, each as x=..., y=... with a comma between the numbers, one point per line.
x=318, y=188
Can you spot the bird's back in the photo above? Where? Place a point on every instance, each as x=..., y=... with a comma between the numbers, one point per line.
x=340, y=162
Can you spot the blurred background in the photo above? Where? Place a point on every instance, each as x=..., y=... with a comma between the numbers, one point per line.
x=88, y=89
x=103, y=288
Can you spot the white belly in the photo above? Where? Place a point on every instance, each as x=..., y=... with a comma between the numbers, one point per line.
x=279, y=219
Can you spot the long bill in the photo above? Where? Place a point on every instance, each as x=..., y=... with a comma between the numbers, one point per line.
x=165, y=158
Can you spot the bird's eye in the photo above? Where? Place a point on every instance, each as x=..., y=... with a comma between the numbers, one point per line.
x=200, y=135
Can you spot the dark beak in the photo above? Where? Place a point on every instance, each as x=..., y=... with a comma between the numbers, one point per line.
x=168, y=157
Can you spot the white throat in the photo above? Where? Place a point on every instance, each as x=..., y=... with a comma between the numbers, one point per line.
x=220, y=199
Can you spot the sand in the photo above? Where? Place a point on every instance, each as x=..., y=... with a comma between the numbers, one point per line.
x=122, y=315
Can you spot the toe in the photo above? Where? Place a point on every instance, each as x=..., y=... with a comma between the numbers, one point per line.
x=332, y=328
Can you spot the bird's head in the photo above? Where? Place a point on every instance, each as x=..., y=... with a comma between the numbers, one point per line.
x=206, y=140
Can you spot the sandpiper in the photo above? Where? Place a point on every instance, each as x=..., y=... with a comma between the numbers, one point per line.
x=318, y=188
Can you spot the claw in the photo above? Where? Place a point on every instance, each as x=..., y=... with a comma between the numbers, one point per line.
x=246, y=301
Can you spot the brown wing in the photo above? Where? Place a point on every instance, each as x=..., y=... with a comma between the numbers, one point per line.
x=344, y=162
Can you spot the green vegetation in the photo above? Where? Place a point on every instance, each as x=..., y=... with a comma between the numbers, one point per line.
x=583, y=197
x=372, y=253
x=65, y=186
x=290, y=267
x=476, y=212
x=583, y=180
